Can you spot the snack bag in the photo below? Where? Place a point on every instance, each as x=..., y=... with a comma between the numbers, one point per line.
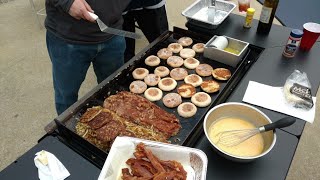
x=297, y=90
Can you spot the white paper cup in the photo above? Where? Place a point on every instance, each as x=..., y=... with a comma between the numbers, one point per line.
x=220, y=42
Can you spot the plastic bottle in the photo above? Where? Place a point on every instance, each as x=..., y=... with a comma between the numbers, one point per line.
x=249, y=17
x=293, y=43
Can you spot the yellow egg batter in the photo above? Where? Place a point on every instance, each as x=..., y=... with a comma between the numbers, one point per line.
x=231, y=50
x=251, y=147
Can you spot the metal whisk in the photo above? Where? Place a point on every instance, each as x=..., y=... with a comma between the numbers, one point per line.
x=235, y=137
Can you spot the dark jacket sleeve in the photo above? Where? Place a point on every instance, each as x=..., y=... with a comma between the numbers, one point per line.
x=135, y=4
x=63, y=4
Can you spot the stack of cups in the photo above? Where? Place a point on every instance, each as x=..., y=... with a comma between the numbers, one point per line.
x=311, y=32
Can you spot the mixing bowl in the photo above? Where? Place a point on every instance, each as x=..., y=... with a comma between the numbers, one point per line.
x=245, y=112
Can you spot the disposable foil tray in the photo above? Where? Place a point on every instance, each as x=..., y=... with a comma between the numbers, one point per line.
x=197, y=13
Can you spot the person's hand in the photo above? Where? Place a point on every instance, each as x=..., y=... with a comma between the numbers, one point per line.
x=79, y=10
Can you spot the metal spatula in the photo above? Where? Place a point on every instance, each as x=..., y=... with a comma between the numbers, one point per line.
x=104, y=28
x=235, y=137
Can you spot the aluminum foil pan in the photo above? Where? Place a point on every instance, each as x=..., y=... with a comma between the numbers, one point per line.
x=200, y=14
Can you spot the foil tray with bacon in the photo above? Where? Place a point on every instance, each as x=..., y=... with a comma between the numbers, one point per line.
x=126, y=114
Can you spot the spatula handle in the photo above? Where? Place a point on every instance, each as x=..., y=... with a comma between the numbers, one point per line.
x=93, y=15
x=284, y=122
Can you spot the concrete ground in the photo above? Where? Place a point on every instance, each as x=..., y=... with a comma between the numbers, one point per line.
x=26, y=89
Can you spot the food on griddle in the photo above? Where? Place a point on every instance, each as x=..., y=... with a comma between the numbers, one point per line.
x=178, y=73
x=175, y=61
x=185, y=41
x=140, y=73
x=191, y=63
x=152, y=79
x=101, y=126
x=146, y=166
x=210, y=86
x=187, y=53
x=193, y=79
x=204, y=70
x=201, y=99
x=167, y=84
x=175, y=47
x=152, y=60
x=172, y=100
x=139, y=110
x=199, y=47
x=186, y=90
x=164, y=53
x=162, y=71
x=138, y=87
x=153, y=94
x=187, y=109
x=221, y=74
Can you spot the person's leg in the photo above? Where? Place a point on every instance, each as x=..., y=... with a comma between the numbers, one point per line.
x=129, y=25
x=152, y=22
x=69, y=67
x=109, y=57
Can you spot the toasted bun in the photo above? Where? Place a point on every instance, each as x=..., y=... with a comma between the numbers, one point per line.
x=201, y=99
x=152, y=60
x=221, y=74
x=152, y=79
x=153, y=94
x=204, y=70
x=191, y=63
x=178, y=73
x=186, y=90
x=162, y=71
x=137, y=87
x=210, y=86
x=187, y=53
x=187, y=109
x=175, y=47
x=193, y=79
x=167, y=84
x=198, y=48
x=140, y=73
x=172, y=100
x=175, y=61
x=164, y=53
x=185, y=41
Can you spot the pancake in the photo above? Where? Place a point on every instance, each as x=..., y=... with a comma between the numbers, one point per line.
x=185, y=41
x=153, y=94
x=152, y=60
x=164, y=53
x=204, y=70
x=137, y=87
x=191, y=63
x=140, y=73
x=186, y=90
x=162, y=71
x=175, y=61
x=201, y=99
x=193, y=79
x=198, y=48
x=178, y=73
x=175, y=47
x=221, y=74
x=167, y=84
x=210, y=86
x=187, y=109
x=187, y=53
x=152, y=79
x=172, y=100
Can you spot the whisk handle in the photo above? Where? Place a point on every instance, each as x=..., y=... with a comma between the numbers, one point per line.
x=284, y=122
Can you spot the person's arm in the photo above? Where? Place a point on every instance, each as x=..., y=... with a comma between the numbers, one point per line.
x=76, y=8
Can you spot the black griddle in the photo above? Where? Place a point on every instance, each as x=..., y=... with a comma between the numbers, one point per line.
x=121, y=79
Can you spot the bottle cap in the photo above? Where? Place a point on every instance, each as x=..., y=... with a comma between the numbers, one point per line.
x=296, y=33
x=250, y=11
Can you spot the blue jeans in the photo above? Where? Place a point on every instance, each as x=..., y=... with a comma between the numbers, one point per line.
x=70, y=63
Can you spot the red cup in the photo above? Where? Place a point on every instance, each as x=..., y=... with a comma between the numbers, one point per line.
x=311, y=32
x=243, y=5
